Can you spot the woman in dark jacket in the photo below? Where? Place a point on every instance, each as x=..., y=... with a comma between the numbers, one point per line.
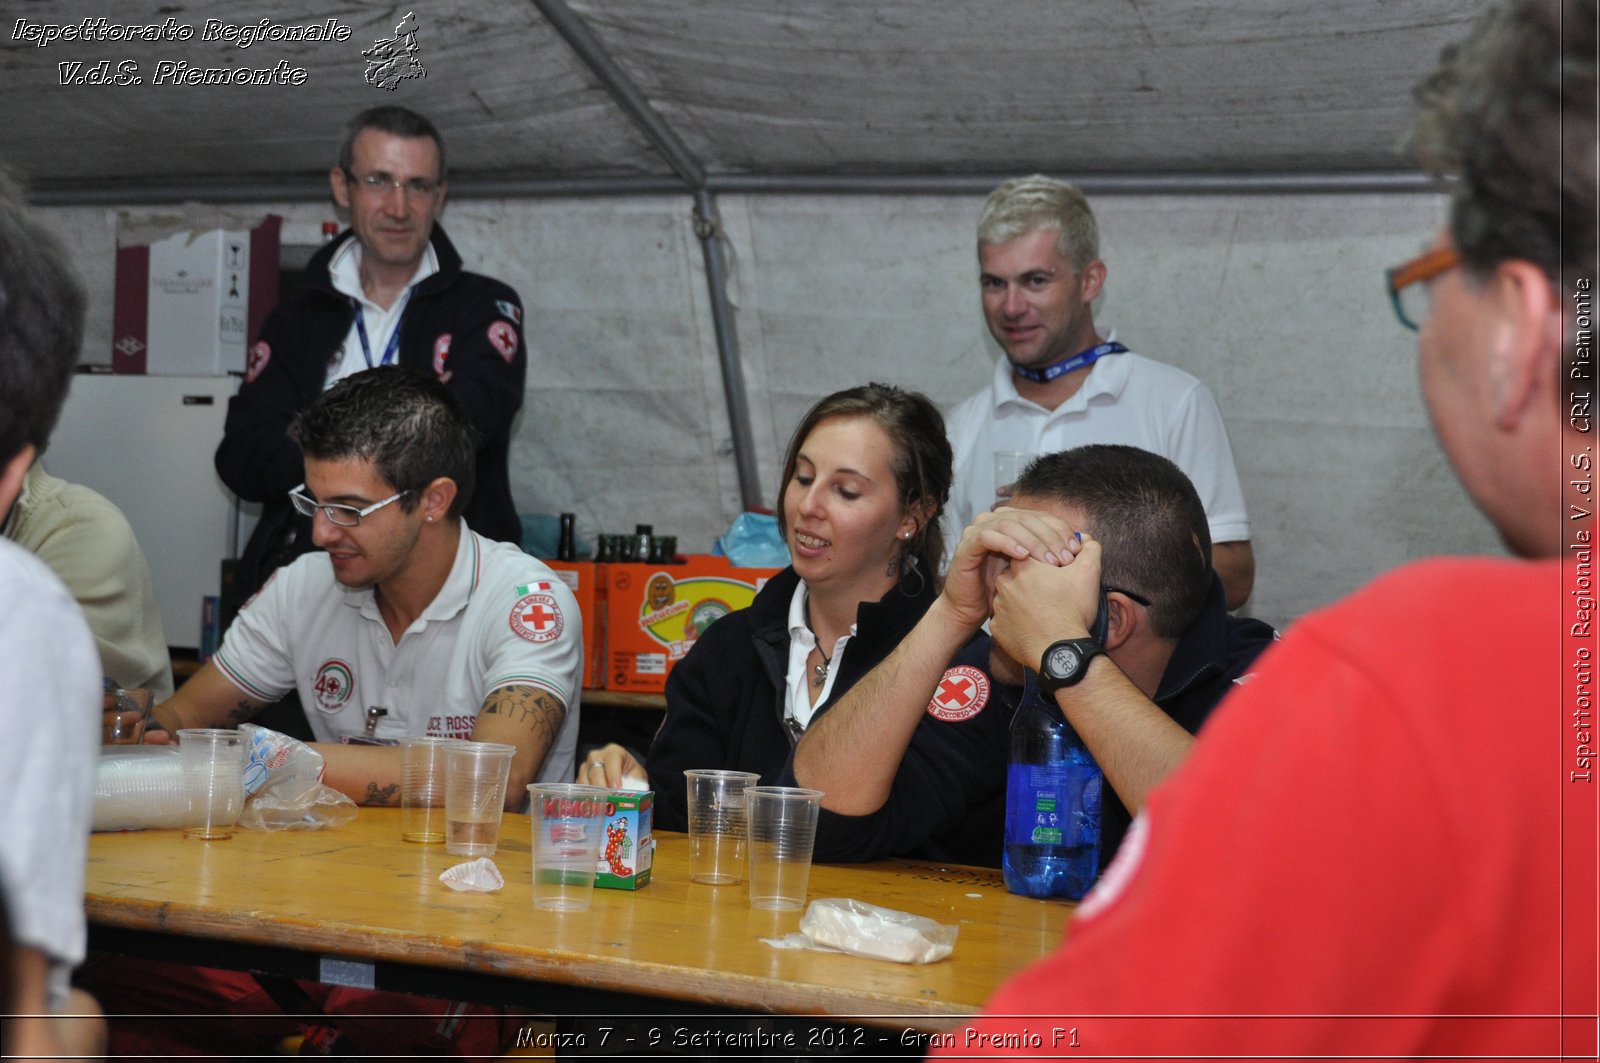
x=864, y=483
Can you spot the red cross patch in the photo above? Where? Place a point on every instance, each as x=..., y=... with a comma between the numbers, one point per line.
x=537, y=618
x=962, y=693
x=256, y=361
x=504, y=339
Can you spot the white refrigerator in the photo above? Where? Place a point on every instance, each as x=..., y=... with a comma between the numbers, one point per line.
x=146, y=443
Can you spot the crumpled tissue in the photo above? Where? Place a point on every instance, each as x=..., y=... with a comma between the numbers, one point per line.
x=474, y=876
x=837, y=924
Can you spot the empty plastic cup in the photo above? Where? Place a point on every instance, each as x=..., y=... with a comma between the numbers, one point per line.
x=475, y=796
x=717, y=824
x=123, y=716
x=213, y=778
x=782, y=827
x=568, y=822
x=422, y=773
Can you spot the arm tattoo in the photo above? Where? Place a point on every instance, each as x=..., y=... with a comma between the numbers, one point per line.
x=242, y=711
x=540, y=711
x=380, y=795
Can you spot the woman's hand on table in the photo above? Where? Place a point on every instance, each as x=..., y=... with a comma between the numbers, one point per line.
x=607, y=765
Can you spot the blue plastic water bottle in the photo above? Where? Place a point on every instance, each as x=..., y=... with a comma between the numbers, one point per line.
x=1052, y=803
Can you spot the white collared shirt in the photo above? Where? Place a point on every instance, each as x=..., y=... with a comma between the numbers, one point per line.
x=797, y=703
x=501, y=619
x=344, y=271
x=1126, y=398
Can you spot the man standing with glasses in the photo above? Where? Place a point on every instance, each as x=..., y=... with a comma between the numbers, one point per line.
x=407, y=622
x=1384, y=845
x=390, y=291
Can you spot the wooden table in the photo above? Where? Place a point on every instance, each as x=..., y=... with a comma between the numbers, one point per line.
x=622, y=699
x=356, y=905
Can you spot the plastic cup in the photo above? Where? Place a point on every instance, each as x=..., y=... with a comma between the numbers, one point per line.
x=717, y=825
x=782, y=827
x=212, y=760
x=422, y=772
x=475, y=775
x=568, y=822
x=140, y=786
x=124, y=715
x=1008, y=465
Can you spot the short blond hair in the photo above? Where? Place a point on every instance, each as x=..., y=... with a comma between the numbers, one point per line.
x=1024, y=205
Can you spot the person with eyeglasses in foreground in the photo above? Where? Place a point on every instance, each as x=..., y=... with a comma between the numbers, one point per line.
x=1166, y=626
x=1383, y=845
x=388, y=291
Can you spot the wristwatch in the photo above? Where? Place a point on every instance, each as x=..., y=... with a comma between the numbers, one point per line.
x=1065, y=662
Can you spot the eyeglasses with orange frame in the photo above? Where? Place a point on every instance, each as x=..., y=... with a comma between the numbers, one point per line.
x=1408, y=283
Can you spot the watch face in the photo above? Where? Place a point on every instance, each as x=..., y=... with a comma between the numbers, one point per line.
x=1063, y=661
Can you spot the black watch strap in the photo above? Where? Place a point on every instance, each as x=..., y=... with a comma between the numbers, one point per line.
x=1065, y=662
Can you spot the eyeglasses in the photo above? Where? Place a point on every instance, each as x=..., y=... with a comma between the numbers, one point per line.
x=1408, y=288
x=1141, y=599
x=344, y=516
x=380, y=183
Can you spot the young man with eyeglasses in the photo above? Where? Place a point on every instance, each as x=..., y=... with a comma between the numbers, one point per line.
x=389, y=291
x=407, y=622
x=1383, y=846
x=1167, y=628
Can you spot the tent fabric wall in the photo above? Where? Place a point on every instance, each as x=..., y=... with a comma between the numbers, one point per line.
x=1275, y=301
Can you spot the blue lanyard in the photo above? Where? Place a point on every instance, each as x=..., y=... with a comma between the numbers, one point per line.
x=391, y=348
x=1077, y=361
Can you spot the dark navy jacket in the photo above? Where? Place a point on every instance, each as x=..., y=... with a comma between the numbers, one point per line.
x=464, y=328
x=1216, y=650
x=725, y=710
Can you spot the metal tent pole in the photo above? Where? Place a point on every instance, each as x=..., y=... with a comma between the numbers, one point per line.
x=493, y=186
x=707, y=227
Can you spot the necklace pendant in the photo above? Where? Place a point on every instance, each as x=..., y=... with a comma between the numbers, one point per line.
x=819, y=674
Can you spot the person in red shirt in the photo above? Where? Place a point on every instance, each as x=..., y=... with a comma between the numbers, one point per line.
x=1363, y=855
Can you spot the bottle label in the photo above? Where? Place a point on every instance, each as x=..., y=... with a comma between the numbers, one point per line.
x=1053, y=804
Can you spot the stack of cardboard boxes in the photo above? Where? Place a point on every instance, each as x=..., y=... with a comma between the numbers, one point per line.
x=640, y=619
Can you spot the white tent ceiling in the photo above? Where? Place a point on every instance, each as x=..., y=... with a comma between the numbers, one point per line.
x=674, y=356
x=747, y=89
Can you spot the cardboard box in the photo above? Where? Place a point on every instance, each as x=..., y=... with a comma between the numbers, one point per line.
x=654, y=613
x=582, y=579
x=190, y=298
x=629, y=847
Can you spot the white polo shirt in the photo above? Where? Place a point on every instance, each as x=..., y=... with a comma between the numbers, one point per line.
x=1127, y=399
x=502, y=619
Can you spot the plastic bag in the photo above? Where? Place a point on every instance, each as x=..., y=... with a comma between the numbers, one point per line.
x=753, y=541
x=862, y=929
x=283, y=785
